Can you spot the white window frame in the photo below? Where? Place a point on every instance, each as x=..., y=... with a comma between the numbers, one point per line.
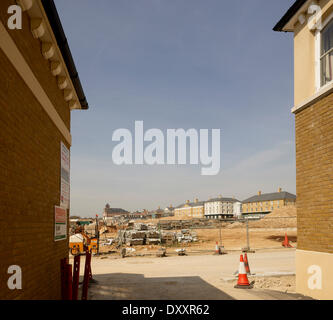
x=318, y=55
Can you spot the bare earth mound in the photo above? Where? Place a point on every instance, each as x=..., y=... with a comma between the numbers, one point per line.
x=279, y=218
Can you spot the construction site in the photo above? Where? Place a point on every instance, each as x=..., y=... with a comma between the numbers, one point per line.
x=153, y=252
x=147, y=67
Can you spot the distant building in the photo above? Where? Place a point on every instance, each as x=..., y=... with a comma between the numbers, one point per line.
x=157, y=214
x=112, y=212
x=265, y=203
x=194, y=209
x=134, y=215
x=238, y=211
x=220, y=208
x=169, y=211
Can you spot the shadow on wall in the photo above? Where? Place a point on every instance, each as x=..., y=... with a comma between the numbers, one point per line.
x=122, y=286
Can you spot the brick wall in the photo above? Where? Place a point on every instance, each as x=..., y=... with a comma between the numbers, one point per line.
x=314, y=163
x=30, y=173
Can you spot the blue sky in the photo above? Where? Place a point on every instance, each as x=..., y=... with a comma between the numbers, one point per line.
x=200, y=64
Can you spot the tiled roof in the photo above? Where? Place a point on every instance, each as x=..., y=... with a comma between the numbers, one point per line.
x=191, y=204
x=271, y=196
x=223, y=200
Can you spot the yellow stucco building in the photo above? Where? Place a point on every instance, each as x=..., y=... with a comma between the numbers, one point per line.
x=266, y=203
x=311, y=23
x=194, y=209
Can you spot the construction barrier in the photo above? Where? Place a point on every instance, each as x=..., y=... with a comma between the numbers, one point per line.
x=87, y=276
x=76, y=277
x=66, y=279
x=63, y=263
x=69, y=282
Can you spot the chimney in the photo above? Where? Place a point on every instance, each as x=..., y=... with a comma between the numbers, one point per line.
x=259, y=193
x=220, y=196
x=196, y=200
x=280, y=189
x=187, y=201
x=170, y=205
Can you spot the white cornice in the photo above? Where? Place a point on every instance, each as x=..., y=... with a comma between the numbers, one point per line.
x=41, y=29
x=301, y=13
x=322, y=93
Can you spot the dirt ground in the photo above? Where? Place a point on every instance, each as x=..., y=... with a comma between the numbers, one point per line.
x=267, y=233
x=195, y=277
x=272, y=265
x=232, y=239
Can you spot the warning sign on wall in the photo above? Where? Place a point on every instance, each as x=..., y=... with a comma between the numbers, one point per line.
x=65, y=177
x=60, y=225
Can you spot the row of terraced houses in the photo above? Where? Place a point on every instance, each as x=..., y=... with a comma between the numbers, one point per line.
x=222, y=207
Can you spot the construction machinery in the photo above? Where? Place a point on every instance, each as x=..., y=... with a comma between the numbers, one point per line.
x=81, y=242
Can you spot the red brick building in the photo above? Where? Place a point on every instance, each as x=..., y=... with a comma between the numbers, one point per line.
x=39, y=86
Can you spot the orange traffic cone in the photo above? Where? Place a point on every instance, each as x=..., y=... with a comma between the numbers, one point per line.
x=286, y=243
x=243, y=281
x=217, y=249
x=246, y=263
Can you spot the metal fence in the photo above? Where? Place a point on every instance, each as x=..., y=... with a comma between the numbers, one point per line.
x=228, y=234
x=254, y=234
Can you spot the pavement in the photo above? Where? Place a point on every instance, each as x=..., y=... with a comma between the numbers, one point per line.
x=208, y=277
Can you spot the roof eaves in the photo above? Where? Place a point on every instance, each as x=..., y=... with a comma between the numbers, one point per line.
x=289, y=14
x=54, y=20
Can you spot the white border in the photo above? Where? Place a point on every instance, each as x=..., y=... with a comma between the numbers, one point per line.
x=317, y=54
x=320, y=91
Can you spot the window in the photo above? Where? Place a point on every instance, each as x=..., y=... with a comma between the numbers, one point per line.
x=326, y=54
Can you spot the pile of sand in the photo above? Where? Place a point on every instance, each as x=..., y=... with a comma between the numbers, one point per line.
x=279, y=218
x=281, y=283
